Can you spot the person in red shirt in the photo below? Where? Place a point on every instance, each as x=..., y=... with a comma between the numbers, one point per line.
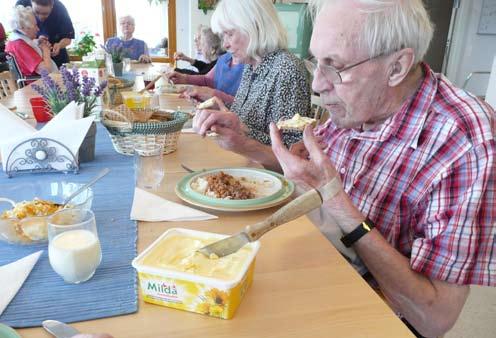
x=32, y=56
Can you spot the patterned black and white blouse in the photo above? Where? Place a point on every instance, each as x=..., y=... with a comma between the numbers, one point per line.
x=277, y=88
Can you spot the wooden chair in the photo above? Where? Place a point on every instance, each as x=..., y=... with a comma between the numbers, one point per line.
x=319, y=113
x=7, y=85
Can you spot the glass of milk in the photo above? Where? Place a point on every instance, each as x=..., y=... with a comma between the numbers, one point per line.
x=73, y=245
x=149, y=165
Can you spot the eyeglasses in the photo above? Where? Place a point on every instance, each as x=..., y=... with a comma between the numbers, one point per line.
x=330, y=73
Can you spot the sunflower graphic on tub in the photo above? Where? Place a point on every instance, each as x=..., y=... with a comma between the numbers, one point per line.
x=213, y=302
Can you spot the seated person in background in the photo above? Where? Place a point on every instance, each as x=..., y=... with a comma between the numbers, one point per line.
x=210, y=48
x=33, y=56
x=274, y=85
x=221, y=81
x=164, y=43
x=407, y=152
x=3, y=62
x=133, y=48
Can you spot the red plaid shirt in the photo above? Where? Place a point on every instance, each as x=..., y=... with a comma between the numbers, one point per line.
x=426, y=178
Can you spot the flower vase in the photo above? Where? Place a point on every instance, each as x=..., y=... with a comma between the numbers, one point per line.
x=118, y=68
x=87, y=149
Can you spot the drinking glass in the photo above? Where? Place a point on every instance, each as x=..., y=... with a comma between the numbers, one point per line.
x=148, y=165
x=73, y=246
x=126, y=64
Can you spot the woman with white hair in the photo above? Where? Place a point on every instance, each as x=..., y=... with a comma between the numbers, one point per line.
x=134, y=49
x=209, y=47
x=32, y=55
x=274, y=84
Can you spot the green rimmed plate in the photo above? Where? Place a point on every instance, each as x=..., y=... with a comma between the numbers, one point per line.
x=271, y=189
x=8, y=332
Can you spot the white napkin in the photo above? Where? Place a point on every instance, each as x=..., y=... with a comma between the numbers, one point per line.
x=152, y=208
x=12, y=126
x=67, y=127
x=13, y=275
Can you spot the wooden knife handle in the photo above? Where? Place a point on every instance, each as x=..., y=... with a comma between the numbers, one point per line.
x=294, y=209
x=148, y=86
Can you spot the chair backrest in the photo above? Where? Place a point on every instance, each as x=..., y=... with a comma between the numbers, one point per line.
x=319, y=113
x=16, y=72
x=7, y=85
x=14, y=68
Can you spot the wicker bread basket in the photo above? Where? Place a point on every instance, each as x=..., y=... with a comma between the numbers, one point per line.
x=131, y=128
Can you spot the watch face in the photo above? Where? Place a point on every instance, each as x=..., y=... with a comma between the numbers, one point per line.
x=366, y=226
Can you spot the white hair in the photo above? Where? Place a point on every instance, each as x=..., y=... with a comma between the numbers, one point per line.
x=128, y=17
x=21, y=18
x=212, y=41
x=390, y=25
x=256, y=18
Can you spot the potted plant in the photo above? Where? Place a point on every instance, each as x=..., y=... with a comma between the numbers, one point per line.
x=85, y=45
x=74, y=87
x=118, y=54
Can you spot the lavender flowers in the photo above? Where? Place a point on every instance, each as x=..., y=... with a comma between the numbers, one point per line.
x=75, y=88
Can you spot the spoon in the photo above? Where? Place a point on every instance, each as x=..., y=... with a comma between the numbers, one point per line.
x=8, y=200
x=89, y=184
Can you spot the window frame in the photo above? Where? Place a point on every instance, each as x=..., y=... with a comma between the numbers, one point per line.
x=110, y=27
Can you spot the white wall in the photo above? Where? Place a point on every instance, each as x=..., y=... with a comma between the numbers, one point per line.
x=188, y=17
x=470, y=51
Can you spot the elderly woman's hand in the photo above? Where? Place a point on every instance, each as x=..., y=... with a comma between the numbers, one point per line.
x=56, y=49
x=145, y=59
x=198, y=93
x=175, y=77
x=231, y=132
x=312, y=172
x=179, y=56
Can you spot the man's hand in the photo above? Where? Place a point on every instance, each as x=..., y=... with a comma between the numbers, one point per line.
x=311, y=171
x=199, y=93
x=144, y=59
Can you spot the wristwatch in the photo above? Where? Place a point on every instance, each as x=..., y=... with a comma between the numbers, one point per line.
x=361, y=230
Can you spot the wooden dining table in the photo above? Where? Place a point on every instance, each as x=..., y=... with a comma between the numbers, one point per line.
x=302, y=286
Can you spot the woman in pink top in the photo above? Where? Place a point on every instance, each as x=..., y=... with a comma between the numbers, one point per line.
x=32, y=56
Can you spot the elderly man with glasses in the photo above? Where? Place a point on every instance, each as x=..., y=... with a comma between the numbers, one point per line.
x=411, y=156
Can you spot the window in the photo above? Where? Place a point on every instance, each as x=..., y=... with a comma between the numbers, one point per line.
x=154, y=21
x=84, y=20
x=152, y=24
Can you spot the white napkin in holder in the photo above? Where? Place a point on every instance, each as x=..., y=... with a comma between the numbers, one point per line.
x=53, y=148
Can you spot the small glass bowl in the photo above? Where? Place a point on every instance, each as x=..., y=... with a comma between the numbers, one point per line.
x=33, y=230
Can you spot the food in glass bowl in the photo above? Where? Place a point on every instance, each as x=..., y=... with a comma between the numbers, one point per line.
x=26, y=222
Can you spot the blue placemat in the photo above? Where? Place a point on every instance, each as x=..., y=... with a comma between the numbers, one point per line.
x=112, y=290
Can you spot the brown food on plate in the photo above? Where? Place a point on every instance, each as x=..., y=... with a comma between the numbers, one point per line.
x=226, y=186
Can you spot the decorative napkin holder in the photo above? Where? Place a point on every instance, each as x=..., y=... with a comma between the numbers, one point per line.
x=38, y=155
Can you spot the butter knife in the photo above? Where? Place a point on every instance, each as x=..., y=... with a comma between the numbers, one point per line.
x=59, y=329
x=300, y=206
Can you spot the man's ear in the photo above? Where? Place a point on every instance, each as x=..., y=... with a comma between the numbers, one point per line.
x=401, y=63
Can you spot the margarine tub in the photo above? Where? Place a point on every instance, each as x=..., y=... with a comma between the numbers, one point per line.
x=135, y=100
x=172, y=273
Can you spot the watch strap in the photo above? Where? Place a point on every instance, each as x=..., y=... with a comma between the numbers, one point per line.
x=362, y=229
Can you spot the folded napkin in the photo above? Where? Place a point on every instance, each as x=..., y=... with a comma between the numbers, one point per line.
x=67, y=127
x=152, y=208
x=12, y=126
x=13, y=276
